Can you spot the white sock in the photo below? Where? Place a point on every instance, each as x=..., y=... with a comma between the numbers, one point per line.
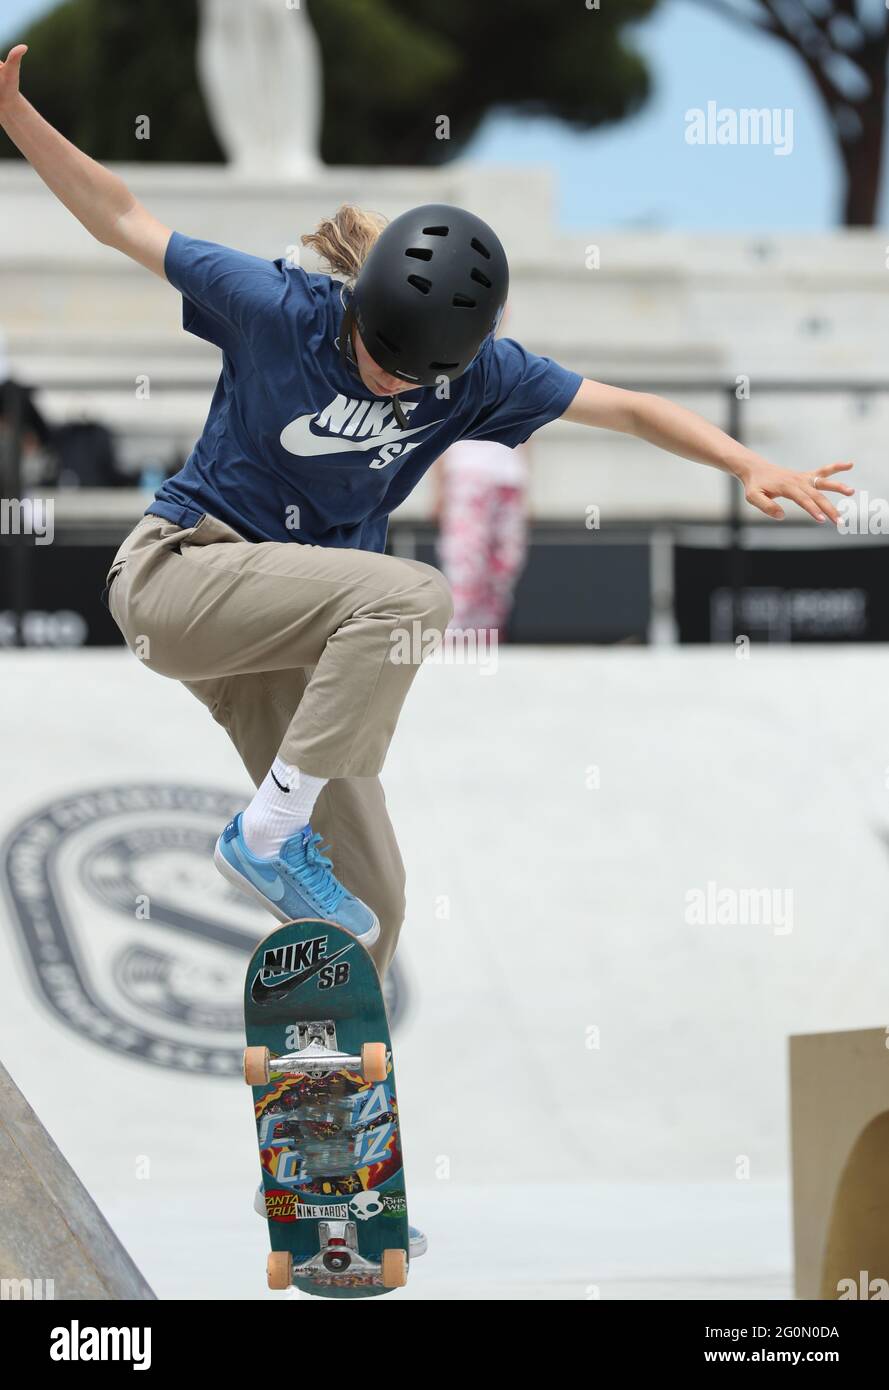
x=283, y=805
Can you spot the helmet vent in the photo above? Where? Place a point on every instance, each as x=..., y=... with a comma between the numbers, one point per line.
x=462, y=301
x=480, y=248
x=480, y=278
x=420, y=283
x=419, y=253
x=443, y=366
x=435, y=231
x=387, y=342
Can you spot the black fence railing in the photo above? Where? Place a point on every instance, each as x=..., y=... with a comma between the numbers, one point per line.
x=734, y=526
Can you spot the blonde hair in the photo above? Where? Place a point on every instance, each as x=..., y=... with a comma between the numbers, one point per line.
x=344, y=242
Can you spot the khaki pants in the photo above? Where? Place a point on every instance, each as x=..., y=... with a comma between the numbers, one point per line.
x=289, y=646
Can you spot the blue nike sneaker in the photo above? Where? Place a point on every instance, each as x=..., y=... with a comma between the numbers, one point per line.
x=297, y=882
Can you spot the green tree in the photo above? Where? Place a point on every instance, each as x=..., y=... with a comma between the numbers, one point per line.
x=391, y=69
x=844, y=47
x=95, y=66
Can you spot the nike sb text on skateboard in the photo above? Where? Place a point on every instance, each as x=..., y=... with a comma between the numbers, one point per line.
x=319, y=1060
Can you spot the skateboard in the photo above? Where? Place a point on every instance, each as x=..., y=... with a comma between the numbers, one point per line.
x=319, y=1060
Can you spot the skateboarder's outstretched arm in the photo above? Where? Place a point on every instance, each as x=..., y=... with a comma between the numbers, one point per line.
x=99, y=199
x=680, y=431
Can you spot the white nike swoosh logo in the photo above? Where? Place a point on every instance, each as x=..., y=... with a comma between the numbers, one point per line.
x=297, y=438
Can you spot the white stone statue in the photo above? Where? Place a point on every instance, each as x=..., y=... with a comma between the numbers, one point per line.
x=260, y=71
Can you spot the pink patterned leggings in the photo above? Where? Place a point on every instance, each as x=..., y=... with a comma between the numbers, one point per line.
x=482, y=548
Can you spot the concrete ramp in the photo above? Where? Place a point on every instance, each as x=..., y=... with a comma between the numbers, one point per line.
x=54, y=1241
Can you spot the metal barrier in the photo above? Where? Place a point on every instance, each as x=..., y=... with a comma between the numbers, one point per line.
x=660, y=533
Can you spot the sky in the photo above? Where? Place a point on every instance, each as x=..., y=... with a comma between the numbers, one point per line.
x=642, y=173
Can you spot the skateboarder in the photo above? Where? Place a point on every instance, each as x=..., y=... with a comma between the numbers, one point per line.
x=257, y=576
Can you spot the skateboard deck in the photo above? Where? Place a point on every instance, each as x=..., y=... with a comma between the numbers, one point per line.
x=319, y=1060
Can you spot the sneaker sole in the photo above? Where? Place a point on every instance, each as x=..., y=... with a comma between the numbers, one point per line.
x=229, y=872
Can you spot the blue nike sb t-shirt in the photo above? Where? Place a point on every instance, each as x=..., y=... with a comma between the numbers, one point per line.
x=295, y=447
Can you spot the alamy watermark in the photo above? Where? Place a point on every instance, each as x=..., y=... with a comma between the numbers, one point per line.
x=869, y=1288
x=28, y=516
x=713, y=906
x=456, y=646
x=740, y=125
x=27, y=1290
x=863, y=515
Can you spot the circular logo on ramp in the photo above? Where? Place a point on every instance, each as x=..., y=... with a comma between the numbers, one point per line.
x=133, y=938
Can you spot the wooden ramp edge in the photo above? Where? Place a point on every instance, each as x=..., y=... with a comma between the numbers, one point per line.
x=54, y=1241
x=839, y=1120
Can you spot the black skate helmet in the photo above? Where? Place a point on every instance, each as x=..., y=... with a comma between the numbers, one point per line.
x=429, y=294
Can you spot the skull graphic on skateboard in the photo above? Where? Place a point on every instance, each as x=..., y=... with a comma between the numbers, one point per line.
x=319, y=1061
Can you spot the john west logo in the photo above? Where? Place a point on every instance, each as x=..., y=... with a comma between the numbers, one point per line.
x=349, y=426
x=287, y=967
x=132, y=937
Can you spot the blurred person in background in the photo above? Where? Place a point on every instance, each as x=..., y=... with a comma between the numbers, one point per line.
x=87, y=456
x=37, y=464
x=79, y=453
x=481, y=508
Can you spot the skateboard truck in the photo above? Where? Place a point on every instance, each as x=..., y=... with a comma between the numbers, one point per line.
x=338, y=1262
x=316, y=1056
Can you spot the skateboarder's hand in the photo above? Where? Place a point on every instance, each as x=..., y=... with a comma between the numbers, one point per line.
x=9, y=75
x=764, y=482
